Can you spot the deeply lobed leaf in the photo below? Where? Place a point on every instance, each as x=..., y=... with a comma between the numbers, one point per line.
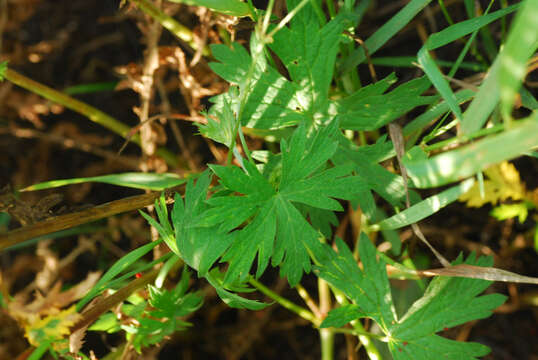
x=447, y=302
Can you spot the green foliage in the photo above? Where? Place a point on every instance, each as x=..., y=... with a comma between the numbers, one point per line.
x=200, y=246
x=155, y=318
x=369, y=109
x=447, y=302
x=133, y=180
x=502, y=183
x=118, y=267
x=277, y=229
x=282, y=209
x=3, y=68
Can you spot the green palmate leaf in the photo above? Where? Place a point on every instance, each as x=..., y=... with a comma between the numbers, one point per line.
x=133, y=180
x=198, y=246
x=447, y=302
x=276, y=229
x=273, y=101
x=368, y=109
x=301, y=56
x=464, y=162
x=368, y=289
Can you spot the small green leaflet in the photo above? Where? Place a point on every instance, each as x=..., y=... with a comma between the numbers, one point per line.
x=369, y=109
x=447, y=302
x=164, y=318
x=157, y=318
x=199, y=247
x=222, y=131
x=276, y=229
x=365, y=161
x=3, y=68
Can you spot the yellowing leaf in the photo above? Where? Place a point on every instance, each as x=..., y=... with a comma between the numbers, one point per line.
x=508, y=211
x=503, y=182
x=54, y=326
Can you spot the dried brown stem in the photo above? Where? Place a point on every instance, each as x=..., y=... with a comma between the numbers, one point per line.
x=67, y=221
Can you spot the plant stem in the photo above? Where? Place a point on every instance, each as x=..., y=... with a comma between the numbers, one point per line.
x=82, y=108
x=359, y=331
x=366, y=341
x=93, y=312
x=287, y=18
x=302, y=312
x=326, y=335
x=70, y=220
x=308, y=300
x=455, y=140
x=181, y=32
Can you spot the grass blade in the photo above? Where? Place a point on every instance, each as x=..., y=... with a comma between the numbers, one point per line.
x=149, y=181
x=522, y=42
x=385, y=33
x=464, y=162
x=444, y=37
x=435, y=111
x=118, y=267
x=426, y=207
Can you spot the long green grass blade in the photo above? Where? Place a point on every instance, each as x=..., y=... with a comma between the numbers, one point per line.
x=3, y=68
x=411, y=61
x=434, y=112
x=148, y=181
x=385, y=33
x=426, y=207
x=464, y=162
x=521, y=44
x=118, y=267
x=484, y=101
x=457, y=31
x=445, y=37
x=438, y=80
